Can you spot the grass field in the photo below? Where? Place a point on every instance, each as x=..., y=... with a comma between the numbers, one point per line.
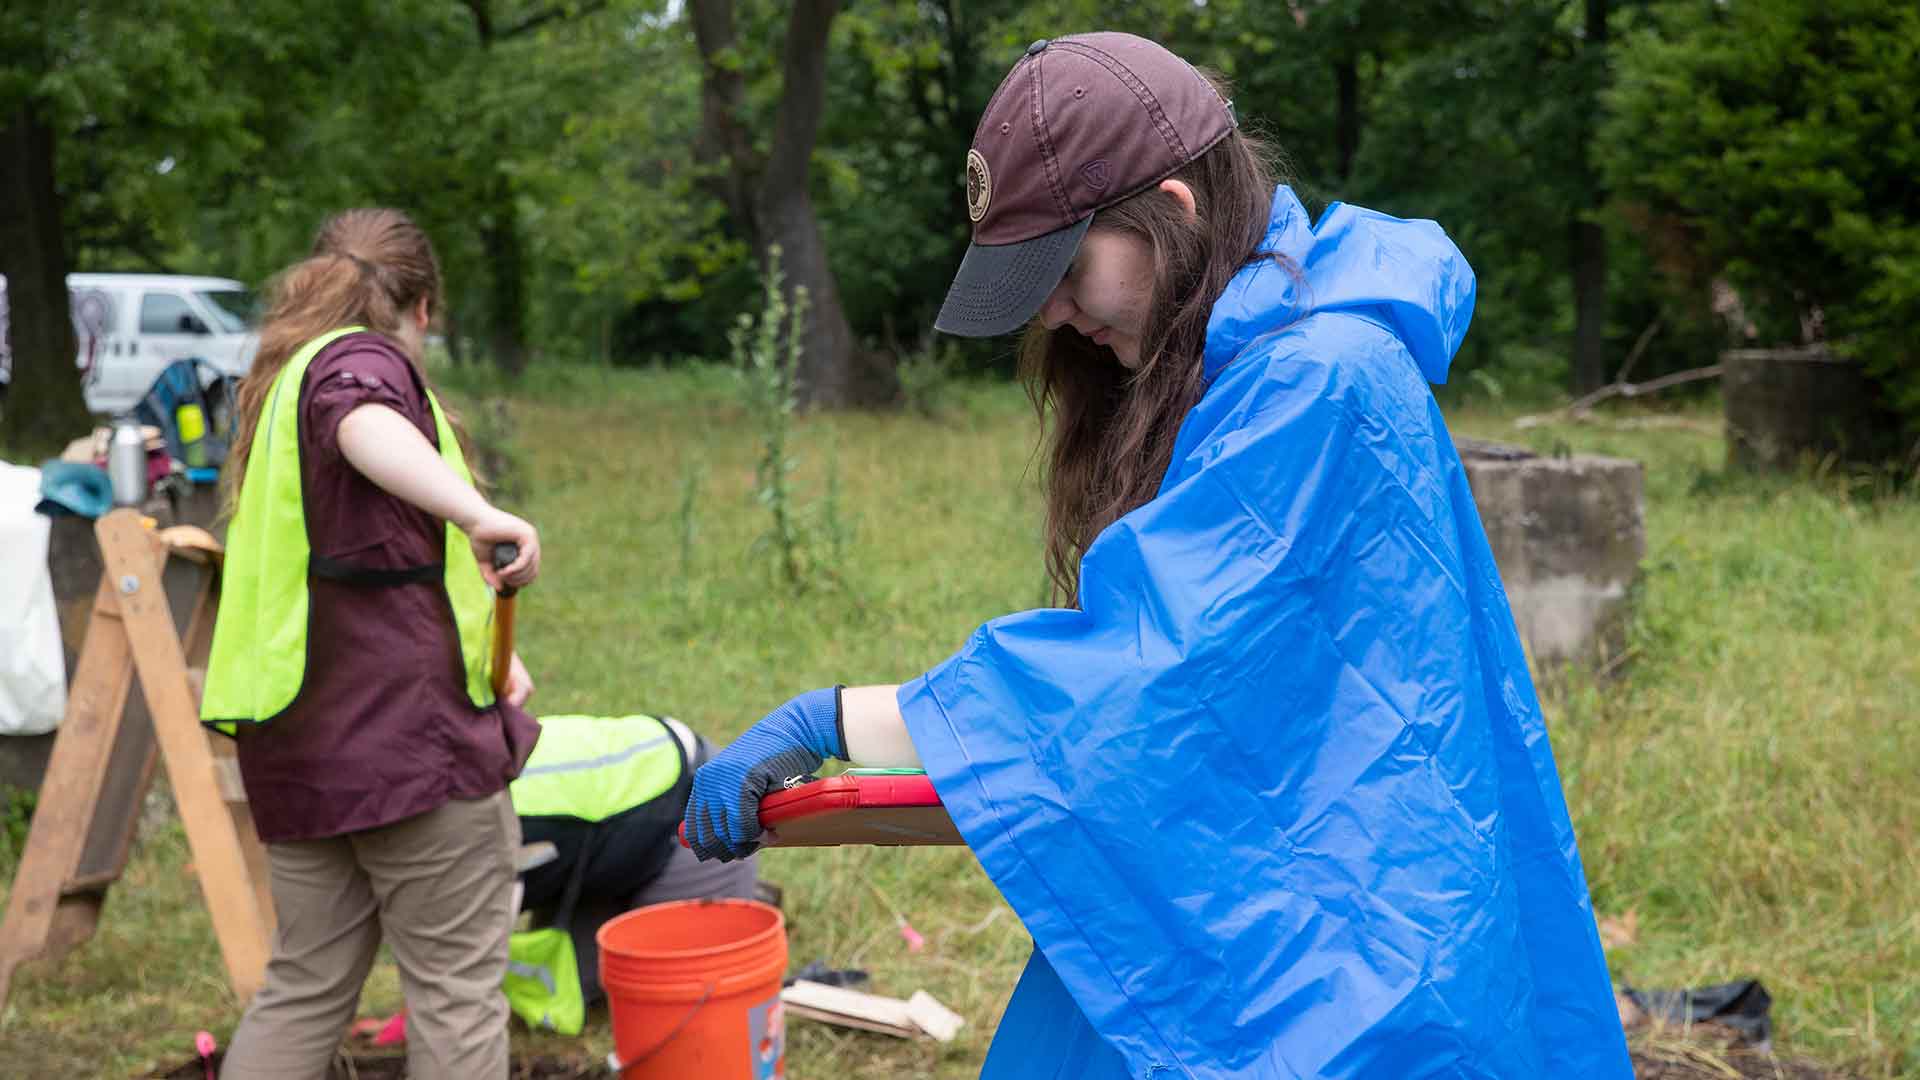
x=1744, y=788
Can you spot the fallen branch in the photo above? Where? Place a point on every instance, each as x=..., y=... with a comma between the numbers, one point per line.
x=1658, y=423
x=1578, y=408
x=1633, y=354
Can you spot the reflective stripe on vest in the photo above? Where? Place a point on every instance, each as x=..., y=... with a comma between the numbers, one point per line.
x=259, y=656
x=537, y=972
x=592, y=768
x=542, y=983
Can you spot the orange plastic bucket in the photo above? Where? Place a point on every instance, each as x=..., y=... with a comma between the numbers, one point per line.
x=693, y=990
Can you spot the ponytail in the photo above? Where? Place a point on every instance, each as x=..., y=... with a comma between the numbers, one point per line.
x=368, y=268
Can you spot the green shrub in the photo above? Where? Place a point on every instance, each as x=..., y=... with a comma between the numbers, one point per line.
x=926, y=378
x=1778, y=138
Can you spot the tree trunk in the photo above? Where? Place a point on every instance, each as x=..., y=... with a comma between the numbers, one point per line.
x=1588, y=247
x=506, y=277
x=964, y=60
x=456, y=349
x=1346, y=130
x=827, y=375
x=724, y=143
x=44, y=407
x=500, y=240
x=768, y=200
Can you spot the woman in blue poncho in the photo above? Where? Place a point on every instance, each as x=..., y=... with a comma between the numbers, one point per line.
x=1273, y=795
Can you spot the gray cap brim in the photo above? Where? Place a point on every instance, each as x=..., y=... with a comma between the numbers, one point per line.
x=1000, y=286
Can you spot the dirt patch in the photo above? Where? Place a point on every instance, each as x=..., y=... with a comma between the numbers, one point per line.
x=394, y=1067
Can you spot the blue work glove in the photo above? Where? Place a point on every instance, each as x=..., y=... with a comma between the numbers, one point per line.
x=723, y=813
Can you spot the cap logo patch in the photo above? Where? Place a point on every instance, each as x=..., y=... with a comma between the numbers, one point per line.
x=979, y=185
x=1097, y=174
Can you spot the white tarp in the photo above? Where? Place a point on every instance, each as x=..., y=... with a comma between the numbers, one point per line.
x=33, y=674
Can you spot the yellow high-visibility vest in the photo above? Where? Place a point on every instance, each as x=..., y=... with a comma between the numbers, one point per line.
x=259, y=658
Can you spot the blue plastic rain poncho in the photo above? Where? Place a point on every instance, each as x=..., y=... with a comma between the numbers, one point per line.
x=1278, y=800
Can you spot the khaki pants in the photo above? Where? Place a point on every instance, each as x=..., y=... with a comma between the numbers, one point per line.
x=439, y=888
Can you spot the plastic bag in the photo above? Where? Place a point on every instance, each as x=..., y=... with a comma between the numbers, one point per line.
x=33, y=672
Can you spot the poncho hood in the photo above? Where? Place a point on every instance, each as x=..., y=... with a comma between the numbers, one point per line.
x=1406, y=273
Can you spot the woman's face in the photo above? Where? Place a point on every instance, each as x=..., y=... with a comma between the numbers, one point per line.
x=1106, y=293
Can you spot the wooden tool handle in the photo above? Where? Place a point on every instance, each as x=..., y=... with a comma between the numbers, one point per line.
x=502, y=662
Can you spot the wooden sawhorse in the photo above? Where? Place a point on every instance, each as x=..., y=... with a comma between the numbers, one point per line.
x=152, y=619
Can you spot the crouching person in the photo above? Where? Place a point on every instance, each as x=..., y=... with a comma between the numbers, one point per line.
x=609, y=794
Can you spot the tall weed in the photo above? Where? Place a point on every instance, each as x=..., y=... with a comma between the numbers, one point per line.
x=806, y=539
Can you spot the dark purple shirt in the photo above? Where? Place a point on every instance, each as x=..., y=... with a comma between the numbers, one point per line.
x=382, y=728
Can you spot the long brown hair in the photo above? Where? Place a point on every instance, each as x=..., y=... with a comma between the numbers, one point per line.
x=1110, y=435
x=369, y=267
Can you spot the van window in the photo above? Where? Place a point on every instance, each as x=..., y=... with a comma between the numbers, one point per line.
x=160, y=313
x=234, y=310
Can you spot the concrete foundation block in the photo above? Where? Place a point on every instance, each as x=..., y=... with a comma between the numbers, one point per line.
x=1784, y=405
x=1568, y=535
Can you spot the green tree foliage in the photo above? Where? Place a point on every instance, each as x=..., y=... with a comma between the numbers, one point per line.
x=209, y=137
x=1774, y=143
x=1474, y=112
x=333, y=110
x=203, y=136
x=1481, y=128
x=98, y=102
x=613, y=205
x=447, y=109
x=553, y=148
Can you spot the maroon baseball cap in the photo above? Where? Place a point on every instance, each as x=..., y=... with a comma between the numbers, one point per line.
x=1080, y=123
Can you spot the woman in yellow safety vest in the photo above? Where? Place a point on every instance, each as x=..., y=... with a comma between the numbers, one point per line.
x=349, y=662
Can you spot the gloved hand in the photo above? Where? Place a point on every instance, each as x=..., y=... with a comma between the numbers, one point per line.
x=723, y=813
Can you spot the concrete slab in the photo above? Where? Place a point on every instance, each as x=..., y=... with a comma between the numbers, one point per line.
x=1568, y=534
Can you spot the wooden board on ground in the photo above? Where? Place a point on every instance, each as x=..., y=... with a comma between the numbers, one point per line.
x=917, y=1017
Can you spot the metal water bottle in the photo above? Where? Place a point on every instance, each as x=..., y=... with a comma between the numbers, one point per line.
x=127, y=462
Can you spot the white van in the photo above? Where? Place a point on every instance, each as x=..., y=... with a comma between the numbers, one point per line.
x=130, y=326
